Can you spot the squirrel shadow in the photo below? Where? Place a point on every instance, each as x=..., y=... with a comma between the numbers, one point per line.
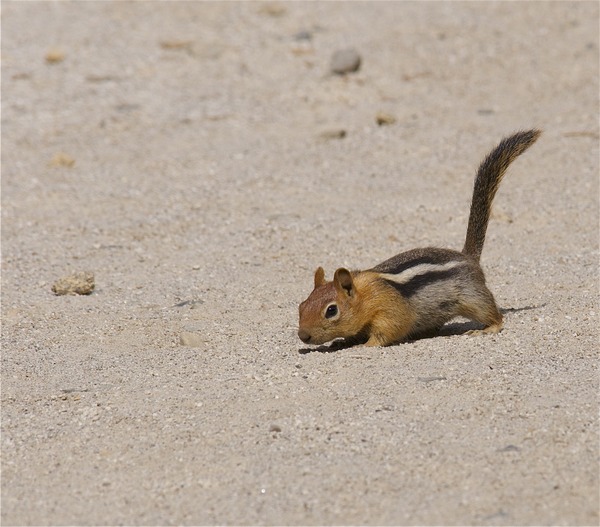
x=447, y=330
x=336, y=345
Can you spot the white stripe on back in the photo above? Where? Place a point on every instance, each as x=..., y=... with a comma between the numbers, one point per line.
x=408, y=274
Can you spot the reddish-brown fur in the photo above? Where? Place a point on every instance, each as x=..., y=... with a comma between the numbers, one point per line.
x=369, y=310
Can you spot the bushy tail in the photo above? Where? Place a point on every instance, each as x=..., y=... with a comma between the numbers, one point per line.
x=487, y=181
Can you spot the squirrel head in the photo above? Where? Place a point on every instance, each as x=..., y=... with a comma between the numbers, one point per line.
x=331, y=310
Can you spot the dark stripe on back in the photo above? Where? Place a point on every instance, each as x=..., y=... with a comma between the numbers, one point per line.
x=406, y=260
x=415, y=284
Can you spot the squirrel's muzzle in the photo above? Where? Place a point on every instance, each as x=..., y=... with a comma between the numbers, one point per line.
x=304, y=336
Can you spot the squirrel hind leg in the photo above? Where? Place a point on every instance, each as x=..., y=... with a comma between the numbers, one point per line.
x=483, y=309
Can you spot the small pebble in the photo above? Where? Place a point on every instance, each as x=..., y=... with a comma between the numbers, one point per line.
x=345, y=61
x=75, y=284
x=54, y=56
x=60, y=159
x=384, y=119
x=185, y=45
x=303, y=35
x=274, y=428
x=332, y=133
x=274, y=10
x=192, y=340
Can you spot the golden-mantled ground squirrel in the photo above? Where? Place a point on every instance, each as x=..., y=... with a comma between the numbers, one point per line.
x=418, y=291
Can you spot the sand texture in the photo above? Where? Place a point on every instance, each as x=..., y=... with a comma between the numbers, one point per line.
x=200, y=161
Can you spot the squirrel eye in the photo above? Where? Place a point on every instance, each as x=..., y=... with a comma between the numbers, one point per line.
x=332, y=311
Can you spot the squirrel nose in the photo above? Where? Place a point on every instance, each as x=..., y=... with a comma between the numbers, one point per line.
x=304, y=336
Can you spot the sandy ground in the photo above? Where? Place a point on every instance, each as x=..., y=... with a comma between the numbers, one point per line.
x=186, y=154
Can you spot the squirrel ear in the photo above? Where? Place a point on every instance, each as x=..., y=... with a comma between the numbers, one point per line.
x=319, y=277
x=343, y=281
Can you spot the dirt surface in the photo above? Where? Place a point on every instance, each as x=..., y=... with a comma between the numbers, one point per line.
x=201, y=161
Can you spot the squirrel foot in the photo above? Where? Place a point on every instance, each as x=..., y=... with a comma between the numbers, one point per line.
x=493, y=328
